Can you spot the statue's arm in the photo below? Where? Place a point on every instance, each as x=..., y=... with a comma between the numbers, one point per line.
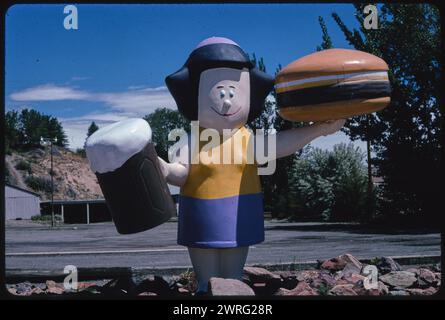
x=288, y=142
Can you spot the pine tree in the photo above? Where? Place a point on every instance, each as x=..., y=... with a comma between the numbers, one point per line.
x=326, y=43
x=406, y=136
x=92, y=129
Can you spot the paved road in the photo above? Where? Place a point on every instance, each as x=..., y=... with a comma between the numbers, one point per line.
x=33, y=246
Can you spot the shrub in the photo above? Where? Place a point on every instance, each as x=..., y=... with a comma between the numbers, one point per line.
x=331, y=185
x=24, y=165
x=46, y=218
x=39, y=183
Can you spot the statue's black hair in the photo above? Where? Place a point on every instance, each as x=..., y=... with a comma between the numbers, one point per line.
x=184, y=83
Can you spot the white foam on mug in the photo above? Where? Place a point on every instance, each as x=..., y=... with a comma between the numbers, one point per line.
x=110, y=147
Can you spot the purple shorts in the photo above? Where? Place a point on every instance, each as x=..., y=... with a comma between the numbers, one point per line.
x=230, y=222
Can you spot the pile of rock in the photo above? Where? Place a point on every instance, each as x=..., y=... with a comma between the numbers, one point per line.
x=341, y=276
x=345, y=276
x=167, y=286
x=50, y=287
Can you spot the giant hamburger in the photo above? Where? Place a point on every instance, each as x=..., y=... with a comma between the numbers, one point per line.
x=332, y=84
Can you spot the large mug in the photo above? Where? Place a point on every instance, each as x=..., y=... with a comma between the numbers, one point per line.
x=125, y=162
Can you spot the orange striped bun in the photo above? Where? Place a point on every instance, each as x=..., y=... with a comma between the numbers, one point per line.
x=332, y=84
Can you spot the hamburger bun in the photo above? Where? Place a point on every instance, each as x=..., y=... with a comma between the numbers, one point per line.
x=332, y=84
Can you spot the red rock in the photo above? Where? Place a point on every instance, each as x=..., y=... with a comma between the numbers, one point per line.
x=12, y=291
x=37, y=291
x=382, y=290
x=53, y=287
x=355, y=279
x=340, y=262
x=229, y=287
x=422, y=292
x=343, y=290
x=350, y=259
x=333, y=264
x=256, y=274
x=427, y=275
x=307, y=275
x=55, y=290
x=413, y=270
x=302, y=289
x=350, y=269
x=402, y=279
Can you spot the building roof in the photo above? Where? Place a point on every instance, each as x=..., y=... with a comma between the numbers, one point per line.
x=79, y=201
x=22, y=189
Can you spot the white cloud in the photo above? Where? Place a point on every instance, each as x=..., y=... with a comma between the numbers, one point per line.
x=106, y=117
x=139, y=101
x=49, y=92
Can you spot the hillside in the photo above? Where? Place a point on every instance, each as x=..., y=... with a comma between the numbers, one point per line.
x=73, y=178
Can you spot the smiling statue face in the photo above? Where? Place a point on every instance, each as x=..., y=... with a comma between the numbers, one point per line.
x=224, y=98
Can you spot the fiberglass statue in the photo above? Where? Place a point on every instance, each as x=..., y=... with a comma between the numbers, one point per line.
x=220, y=204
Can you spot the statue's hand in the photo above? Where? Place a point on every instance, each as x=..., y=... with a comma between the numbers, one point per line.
x=163, y=165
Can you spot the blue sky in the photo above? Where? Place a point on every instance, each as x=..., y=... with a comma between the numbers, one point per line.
x=114, y=65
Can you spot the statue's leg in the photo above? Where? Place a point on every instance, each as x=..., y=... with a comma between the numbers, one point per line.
x=231, y=262
x=205, y=265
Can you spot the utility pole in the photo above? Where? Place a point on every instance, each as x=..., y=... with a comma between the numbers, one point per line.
x=368, y=151
x=44, y=142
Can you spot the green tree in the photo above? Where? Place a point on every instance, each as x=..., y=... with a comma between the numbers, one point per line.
x=330, y=185
x=162, y=121
x=12, y=130
x=24, y=129
x=406, y=136
x=92, y=128
x=327, y=42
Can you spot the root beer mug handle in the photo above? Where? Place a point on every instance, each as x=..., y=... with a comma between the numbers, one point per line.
x=126, y=165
